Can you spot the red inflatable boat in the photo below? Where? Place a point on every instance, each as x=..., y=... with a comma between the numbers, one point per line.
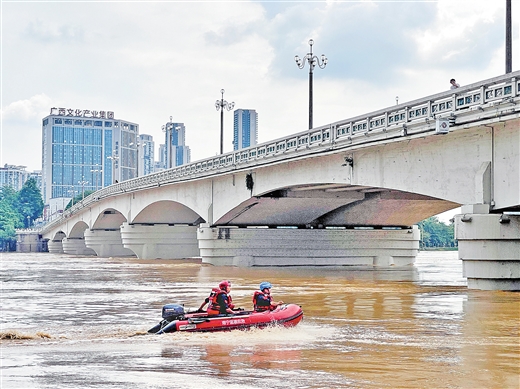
x=175, y=319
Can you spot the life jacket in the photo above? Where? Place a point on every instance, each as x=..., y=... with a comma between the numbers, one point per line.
x=260, y=304
x=214, y=307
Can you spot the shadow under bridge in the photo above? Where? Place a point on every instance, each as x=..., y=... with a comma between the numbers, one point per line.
x=334, y=205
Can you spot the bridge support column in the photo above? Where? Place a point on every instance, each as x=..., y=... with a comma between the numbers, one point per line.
x=489, y=247
x=106, y=243
x=160, y=241
x=307, y=247
x=55, y=246
x=76, y=246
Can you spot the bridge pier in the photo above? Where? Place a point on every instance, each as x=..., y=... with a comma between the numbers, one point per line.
x=223, y=246
x=106, y=243
x=160, y=241
x=76, y=246
x=55, y=246
x=489, y=247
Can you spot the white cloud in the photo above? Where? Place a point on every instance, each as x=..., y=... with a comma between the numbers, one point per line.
x=460, y=26
x=41, y=32
x=26, y=110
x=20, y=140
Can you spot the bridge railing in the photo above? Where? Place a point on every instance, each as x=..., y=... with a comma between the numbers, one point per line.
x=394, y=121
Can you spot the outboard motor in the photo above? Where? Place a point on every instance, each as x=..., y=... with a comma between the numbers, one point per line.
x=172, y=312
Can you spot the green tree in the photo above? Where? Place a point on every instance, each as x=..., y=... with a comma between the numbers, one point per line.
x=9, y=219
x=8, y=195
x=78, y=198
x=29, y=202
x=435, y=234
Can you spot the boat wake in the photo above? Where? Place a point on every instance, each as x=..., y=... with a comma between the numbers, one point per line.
x=303, y=334
x=15, y=335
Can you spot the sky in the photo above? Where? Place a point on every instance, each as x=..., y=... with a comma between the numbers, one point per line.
x=149, y=60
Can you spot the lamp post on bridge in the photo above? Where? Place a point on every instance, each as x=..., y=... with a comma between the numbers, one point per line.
x=113, y=158
x=509, y=54
x=221, y=105
x=82, y=183
x=96, y=172
x=313, y=61
x=137, y=144
x=72, y=192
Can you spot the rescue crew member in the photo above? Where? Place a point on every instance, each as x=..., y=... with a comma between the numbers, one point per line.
x=220, y=302
x=262, y=299
x=206, y=301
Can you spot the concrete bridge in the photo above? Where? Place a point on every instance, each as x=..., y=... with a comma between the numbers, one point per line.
x=348, y=193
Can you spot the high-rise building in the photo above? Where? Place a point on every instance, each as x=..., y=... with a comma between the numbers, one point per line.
x=177, y=153
x=245, y=128
x=13, y=176
x=158, y=167
x=146, y=154
x=161, y=163
x=84, y=150
x=16, y=176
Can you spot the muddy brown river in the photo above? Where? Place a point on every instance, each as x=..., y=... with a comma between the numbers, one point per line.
x=81, y=322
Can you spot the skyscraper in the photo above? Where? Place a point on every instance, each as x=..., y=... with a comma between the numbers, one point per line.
x=146, y=154
x=84, y=150
x=177, y=153
x=245, y=128
x=161, y=163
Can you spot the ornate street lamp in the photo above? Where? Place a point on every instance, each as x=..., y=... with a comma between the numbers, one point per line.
x=82, y=183
x=137, y=144
x=313, y=61
x=72, y=192
x=221, y=105
x=113, y=158
x=509, y=55
x=97, y=171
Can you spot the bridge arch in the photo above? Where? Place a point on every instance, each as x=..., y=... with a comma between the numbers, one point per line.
x=55, y=244
x=78, y=231
x=167, y=212
x=74, y=243
x=109, y=219
x=333, y=204
x=58, y=236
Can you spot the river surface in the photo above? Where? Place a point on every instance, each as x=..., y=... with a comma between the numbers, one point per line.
x=81, y=322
